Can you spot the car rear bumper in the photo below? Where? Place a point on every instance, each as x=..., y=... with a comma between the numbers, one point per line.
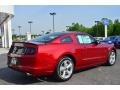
x=31, y=70
x=26, y=64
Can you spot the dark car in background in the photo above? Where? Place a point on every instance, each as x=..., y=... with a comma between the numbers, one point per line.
x=113, y=40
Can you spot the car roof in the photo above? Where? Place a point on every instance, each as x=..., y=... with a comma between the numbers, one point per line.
x=74, y=32
x=114, y=36
x=71, y=32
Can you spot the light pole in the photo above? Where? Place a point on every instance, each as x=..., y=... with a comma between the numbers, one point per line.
x=19, y=27
x=96, y=23
x=53, y=14
x=30, y=22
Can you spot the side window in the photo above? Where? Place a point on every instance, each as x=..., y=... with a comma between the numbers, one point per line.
x=85, y=39
x=79, y=38
x=67, y=39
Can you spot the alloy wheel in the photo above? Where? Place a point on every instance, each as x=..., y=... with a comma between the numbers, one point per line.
x=112, y=58
x=66, y=68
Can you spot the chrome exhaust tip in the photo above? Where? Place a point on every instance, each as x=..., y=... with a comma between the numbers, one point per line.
x=28, y=74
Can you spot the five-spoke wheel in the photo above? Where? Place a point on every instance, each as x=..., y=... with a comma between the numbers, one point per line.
x=65, y=69
x=112, y=58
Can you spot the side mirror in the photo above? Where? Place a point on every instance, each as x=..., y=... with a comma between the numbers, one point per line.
x=96, y=42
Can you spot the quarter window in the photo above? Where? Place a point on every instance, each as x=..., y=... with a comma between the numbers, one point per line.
x=67, y=39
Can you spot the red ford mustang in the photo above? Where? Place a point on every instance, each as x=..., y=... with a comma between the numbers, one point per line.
x=59, y=54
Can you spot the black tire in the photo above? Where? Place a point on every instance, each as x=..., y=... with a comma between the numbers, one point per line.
x=111, y=58
x=61, y=65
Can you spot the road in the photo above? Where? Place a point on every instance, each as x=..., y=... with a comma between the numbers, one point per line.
x=101, y=75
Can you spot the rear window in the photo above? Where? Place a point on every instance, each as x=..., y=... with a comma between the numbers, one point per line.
x=47, y=38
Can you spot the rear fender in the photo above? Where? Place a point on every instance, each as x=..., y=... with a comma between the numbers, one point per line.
x=71, y=55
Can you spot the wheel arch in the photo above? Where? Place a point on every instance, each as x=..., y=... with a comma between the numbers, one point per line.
x=70, y=56
x=113, y=48
x=115, y=51
x=59, y=60
x=110, y=50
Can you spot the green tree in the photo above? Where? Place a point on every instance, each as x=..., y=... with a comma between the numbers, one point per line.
x=97, y=30
x=47, y=32
x=76, y=27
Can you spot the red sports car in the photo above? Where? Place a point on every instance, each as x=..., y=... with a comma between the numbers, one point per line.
x=59, y=54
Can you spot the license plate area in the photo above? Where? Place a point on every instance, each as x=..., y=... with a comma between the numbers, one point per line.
x=13, y=61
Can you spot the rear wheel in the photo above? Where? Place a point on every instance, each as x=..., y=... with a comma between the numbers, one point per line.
x=112, y=58
x=64, y=69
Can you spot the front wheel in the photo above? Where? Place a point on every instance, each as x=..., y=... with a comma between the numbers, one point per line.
x=64, y=69
x=112, y=58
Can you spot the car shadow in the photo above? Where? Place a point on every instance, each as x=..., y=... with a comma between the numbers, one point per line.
x=13, y=77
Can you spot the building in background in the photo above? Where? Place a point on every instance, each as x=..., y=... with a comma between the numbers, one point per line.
x=6, y=14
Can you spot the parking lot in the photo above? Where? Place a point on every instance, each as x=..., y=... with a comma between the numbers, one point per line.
x=94, y=76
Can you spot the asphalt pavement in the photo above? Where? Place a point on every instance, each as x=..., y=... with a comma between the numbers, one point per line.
x=100, y=75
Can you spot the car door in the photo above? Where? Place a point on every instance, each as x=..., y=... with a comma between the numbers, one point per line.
x=89, y=51
x=95, y=52
x=80, y=51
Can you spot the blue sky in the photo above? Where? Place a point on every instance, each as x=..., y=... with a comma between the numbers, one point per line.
x=65, y=15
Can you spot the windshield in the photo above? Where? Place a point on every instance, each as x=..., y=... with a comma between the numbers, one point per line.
x=46, y=38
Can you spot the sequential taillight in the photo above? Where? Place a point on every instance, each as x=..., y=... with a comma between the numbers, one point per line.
x=23, y=50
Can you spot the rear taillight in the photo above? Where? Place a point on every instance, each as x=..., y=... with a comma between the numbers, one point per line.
x=22, y=50
x=29, y=51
